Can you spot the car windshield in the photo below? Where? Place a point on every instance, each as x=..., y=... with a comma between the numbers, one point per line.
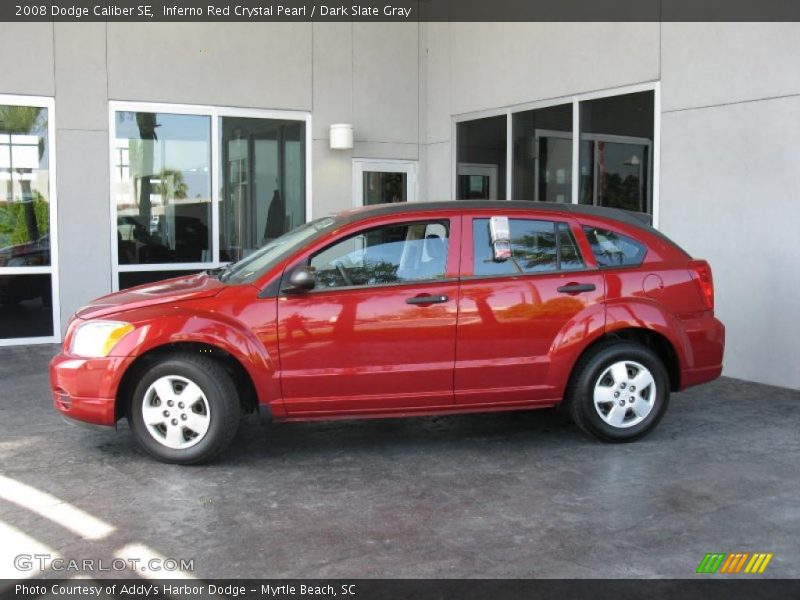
x=252, y=267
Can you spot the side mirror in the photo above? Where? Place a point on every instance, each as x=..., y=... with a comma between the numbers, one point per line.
x=301, y=280
x=500, y=233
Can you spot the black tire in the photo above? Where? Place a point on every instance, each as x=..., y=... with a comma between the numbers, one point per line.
x=223, y=404
x=587, y=374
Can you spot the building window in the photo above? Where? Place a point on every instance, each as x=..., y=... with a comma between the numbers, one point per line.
x=194, y=187
x=481, y=159
x=613, y=164
x=616, y=153
x=163, y=193
x=542, y=168
x=263, y=182
x=28, y=290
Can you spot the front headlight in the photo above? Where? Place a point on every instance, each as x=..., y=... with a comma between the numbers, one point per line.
x=95, y=339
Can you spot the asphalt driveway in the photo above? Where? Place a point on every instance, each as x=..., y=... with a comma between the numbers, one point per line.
x=502, y=495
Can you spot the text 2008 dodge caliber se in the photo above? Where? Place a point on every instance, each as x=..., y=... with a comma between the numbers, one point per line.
x=394, y=310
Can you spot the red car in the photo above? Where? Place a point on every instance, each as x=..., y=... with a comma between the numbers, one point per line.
x=403, y=309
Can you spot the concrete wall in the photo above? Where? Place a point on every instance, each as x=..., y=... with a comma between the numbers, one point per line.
x=365, y=74
x=730, y=177
x=730, y=181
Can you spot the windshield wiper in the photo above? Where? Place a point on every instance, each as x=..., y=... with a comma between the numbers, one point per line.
x=220, y=272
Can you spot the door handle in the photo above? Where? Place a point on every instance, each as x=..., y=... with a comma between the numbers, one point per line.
x=576, y=288
x=438, y=299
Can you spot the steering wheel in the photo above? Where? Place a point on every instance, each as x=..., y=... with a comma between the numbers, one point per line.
x=343, y=272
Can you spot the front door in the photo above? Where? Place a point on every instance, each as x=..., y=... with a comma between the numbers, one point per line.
x=378, y=331
x=511, y=312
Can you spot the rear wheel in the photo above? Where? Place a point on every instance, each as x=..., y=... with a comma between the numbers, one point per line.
x=618, y=392
x=185, y=409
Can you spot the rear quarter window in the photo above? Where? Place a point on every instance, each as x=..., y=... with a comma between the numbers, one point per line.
x=613, y=249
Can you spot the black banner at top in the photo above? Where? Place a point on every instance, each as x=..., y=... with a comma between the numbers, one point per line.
x=398, y=10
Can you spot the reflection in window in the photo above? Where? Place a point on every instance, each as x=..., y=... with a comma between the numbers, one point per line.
x=535, y=248
x=542, y=167
x=384, y=187
x=568, y=253
x=481, y=159
x=616, y=151
x=162, y=187
x=24, y=187
x=613, y=249
x=390, y=254
x=263, y=182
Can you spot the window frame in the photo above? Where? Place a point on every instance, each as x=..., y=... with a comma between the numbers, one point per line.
x=574, y=100
x=215, y=113
x=49, y=103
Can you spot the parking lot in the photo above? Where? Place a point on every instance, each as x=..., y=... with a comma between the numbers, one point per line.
x=502, y=495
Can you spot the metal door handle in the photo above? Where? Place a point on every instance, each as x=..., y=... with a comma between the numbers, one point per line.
x=576, y=288
x=427, y=299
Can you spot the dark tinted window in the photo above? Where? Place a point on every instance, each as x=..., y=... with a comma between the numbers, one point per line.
x=390, y=254
x=542, y=159
x=613, y=249
x=481, y=159
x=616, y=157
x=25, y=306
x=535, y=248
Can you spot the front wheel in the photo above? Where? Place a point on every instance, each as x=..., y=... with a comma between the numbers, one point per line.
x=619, y=391
x=185, y=409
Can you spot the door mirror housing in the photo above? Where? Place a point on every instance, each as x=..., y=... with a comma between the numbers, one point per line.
x=500, y=233
x=301, y=280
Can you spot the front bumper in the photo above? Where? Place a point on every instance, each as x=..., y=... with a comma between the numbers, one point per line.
x=85, y=389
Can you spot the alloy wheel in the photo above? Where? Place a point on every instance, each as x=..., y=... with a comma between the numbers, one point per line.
x=176, y=412
x=624, y=394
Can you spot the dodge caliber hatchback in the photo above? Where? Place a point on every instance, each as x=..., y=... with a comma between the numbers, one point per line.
x=397, y=310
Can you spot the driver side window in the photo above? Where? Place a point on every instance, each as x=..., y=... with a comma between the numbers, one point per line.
x=396, y=253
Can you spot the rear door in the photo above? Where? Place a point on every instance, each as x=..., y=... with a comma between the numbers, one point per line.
x=378, y=331
x=511, y=312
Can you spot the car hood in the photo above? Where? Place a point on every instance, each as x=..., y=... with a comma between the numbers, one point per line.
x=189, y=287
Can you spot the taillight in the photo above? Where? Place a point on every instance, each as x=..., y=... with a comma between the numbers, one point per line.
x=701, y=271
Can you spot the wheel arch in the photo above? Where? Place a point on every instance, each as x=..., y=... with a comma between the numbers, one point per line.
x=654, y=340
x=248, y=394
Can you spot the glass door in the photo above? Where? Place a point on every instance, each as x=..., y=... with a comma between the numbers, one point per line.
x=263, y=182
x=384, y=181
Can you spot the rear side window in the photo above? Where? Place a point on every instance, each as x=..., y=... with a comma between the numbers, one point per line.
x=536, y=247
x=613, y=249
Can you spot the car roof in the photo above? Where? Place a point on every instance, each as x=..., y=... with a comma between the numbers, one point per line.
x=638, y=220
x=631, y=218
